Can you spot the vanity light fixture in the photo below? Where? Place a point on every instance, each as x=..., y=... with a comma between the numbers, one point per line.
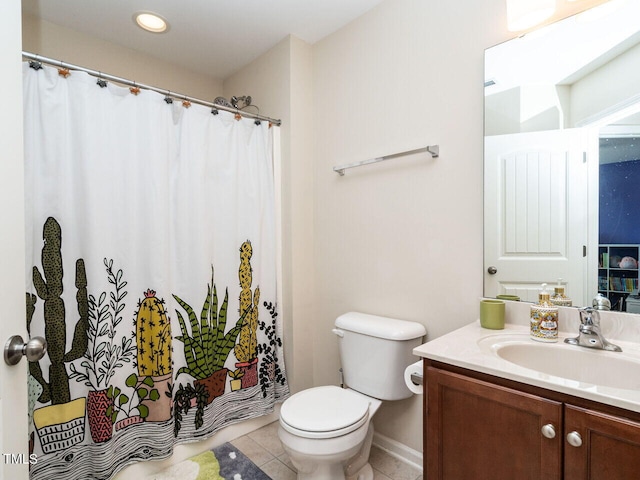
x=151, y=22
x=524, y=14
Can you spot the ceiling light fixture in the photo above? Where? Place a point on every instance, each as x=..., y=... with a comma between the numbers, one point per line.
x=524, y=14
x=151, y=22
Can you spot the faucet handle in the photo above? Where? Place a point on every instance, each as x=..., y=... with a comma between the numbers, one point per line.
x=589, y=316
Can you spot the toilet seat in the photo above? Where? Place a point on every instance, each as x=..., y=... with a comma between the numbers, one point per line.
x=324, y=412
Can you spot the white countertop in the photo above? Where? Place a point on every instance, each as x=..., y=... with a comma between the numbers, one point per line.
x=466, y=348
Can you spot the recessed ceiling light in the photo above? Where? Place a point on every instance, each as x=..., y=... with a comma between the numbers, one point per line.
x=151, y=22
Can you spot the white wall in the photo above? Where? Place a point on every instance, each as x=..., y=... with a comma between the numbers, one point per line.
x=401, y=239
x=612, y=84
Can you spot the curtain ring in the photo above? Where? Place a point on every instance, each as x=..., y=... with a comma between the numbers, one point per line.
x=35, y=64
x=134, y=90
x=63, y=71
x=101, y=82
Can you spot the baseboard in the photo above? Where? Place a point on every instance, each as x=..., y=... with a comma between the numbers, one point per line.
x=398, y=450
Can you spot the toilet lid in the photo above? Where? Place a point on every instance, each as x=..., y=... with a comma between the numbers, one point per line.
x=324, y=409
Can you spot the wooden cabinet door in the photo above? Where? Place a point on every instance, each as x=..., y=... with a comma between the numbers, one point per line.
x=610, y=447
x=477, y=430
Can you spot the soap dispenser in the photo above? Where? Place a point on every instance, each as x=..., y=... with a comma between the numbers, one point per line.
x=559, y=298
x=544, y=318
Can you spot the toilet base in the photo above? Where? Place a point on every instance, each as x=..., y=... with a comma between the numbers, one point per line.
x=351, y=464
x=365, y=473
x=336, y=472
x=358, y=468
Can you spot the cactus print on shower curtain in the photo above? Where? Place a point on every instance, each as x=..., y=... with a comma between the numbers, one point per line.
x=246, y=350
x=153, y=336
x=60, y=424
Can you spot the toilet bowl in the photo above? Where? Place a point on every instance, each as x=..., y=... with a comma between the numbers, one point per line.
x=327, y=433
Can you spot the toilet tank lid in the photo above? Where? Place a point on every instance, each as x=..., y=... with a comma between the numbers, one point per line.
x=381, y=327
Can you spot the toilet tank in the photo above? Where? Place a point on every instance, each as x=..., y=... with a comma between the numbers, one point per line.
x=375, y=351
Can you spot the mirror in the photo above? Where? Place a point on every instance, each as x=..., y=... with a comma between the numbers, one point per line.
x=562, y=159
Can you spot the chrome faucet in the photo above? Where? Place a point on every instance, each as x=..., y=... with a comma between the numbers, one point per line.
x=589, y=334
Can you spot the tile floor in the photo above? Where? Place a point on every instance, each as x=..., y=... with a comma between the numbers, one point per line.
x=264, y=449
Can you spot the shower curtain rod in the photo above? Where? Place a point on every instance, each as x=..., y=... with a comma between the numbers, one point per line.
x=131, y=83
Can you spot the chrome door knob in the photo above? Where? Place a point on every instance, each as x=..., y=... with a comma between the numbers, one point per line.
x=549, y=431
x=574, y=439
x=492, y=270
x=16, y=348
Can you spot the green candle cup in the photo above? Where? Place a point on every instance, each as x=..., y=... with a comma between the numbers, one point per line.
x=492, y=314
x=513, y=298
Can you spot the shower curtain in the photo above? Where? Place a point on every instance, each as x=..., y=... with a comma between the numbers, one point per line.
x=151, y=272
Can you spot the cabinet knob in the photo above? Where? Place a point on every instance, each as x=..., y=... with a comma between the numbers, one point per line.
x=574, y=439
x=549, y=431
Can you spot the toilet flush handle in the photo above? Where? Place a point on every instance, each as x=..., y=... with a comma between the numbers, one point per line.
x=338, y=332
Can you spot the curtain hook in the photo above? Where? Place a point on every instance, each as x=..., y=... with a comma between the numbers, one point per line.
x=186, y=103
x=167, y=98
x=101, y=82
x=134, y=90
x=63, y=71
x=35, y=64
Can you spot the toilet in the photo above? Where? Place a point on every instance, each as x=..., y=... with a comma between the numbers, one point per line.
x=327, y=431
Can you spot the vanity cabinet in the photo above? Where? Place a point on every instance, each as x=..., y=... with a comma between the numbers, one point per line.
x=610, y=446
x=477, y=428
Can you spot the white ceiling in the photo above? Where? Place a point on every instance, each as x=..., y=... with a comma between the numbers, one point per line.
x=565, y=51
x=214, y=37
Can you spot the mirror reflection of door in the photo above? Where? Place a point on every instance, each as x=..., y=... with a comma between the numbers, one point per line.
x=536, y=183
x=576, y=75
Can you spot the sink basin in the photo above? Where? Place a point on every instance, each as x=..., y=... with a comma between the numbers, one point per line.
x=580, y=364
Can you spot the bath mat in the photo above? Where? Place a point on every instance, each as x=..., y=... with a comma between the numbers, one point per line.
x=225, y=462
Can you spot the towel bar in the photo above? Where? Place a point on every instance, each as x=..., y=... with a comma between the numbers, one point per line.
x=434, y=150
